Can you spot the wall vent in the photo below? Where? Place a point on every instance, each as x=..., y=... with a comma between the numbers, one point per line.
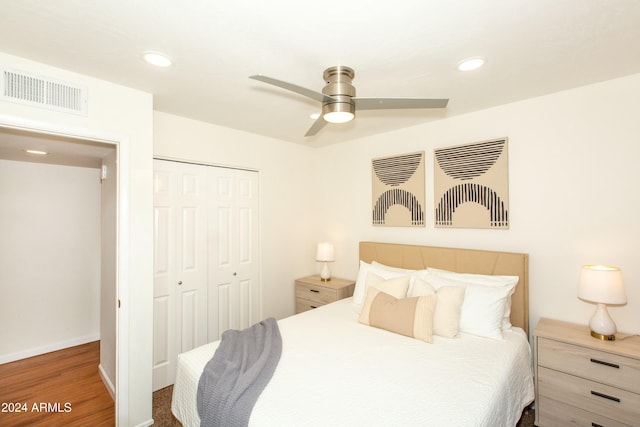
x=30, y=89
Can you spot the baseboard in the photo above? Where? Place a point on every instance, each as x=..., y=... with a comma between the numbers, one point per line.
x=107, y=382
x=6, y=358
x=146, y=423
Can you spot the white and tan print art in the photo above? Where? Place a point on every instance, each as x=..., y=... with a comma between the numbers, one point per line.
x=471, y=185
x=398, y=196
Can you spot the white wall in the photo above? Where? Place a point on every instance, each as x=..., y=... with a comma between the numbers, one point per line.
x=573, y=173
x=124, y=115
x=287, y=201
x=49, y=258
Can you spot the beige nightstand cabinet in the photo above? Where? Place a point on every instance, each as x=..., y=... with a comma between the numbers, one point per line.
x=583, y=381
x=311, y=292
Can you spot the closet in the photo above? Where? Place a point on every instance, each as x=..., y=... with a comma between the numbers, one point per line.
x=206, y=258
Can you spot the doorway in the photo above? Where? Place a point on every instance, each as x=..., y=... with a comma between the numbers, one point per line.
x=66, y=150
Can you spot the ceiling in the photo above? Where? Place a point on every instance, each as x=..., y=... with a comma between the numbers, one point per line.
x=60, y=150
x=406, y=48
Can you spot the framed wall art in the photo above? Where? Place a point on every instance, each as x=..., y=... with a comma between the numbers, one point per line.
x=398, y=197
x=471, y=185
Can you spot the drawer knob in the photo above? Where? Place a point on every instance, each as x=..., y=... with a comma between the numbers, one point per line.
x=605, y=396
x=315, y=290
x=601, y=362
x=313, y=306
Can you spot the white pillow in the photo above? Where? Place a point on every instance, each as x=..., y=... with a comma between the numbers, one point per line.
x=476, y=279
x=483, y=280
x=396, y=287
x=446, y=316
x=482, y=309
x=413, y=274
x=360, y=289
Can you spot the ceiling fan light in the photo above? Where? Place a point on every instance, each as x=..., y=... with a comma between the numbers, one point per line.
x=339, y=112
x=338, y=116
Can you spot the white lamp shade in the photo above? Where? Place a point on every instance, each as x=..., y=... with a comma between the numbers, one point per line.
x=601, y=284
x=325, y=252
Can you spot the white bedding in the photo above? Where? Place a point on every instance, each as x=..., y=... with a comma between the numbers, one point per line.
x=336, y=372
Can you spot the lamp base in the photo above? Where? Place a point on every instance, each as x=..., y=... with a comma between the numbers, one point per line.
x=602, y=325
x=603, y=337
x=325, y=274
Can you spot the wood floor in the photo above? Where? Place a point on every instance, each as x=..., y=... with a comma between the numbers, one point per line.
x=58, y=389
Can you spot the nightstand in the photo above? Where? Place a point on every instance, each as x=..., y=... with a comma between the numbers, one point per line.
x=581, y=380
x=311, y=292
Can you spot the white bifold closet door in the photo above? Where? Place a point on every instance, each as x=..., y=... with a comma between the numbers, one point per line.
x=206, y=258
x=234, y=288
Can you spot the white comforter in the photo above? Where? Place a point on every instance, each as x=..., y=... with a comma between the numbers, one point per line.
x=336, y=372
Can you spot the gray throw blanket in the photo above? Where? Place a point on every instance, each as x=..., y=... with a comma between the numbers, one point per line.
x=237, y=373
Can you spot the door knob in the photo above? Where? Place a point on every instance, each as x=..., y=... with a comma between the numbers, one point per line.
x=180, y=282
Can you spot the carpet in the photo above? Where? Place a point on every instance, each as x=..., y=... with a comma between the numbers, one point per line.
x=163, y=417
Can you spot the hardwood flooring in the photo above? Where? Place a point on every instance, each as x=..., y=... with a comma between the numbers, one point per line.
x=62, y=388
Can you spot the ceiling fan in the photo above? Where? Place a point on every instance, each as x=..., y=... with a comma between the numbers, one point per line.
x=339, y=101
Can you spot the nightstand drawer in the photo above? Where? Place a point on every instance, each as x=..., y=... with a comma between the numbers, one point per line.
x=559, y=414
x=305, y=305
x=618, y=371
x=610, y=402
x=313, y=293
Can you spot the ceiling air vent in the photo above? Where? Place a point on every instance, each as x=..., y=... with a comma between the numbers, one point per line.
x=25, y=88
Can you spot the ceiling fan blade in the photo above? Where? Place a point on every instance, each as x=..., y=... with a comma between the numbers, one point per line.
x=316, y=126
x=398, y=103
x=294, y=88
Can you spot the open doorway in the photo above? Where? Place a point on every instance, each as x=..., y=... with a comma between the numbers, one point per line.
x=61, y=211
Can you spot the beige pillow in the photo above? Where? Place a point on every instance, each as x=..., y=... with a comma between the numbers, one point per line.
x=446, y=316
x=412, y=317
x=396, y=287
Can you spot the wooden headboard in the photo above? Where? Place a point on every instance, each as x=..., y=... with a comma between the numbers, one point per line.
x=462, y=261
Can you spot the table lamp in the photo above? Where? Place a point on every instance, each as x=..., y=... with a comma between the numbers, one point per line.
x=324, y=254
x=602, y=284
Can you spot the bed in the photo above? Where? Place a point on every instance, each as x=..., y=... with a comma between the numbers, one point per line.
x=337, y=371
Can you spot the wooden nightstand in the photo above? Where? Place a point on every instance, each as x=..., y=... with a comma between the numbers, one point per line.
x=581, y=380
x=311, y=292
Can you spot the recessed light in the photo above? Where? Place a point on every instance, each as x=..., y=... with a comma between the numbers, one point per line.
x=471, y=64
x=157, y=59
x=37, y=152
